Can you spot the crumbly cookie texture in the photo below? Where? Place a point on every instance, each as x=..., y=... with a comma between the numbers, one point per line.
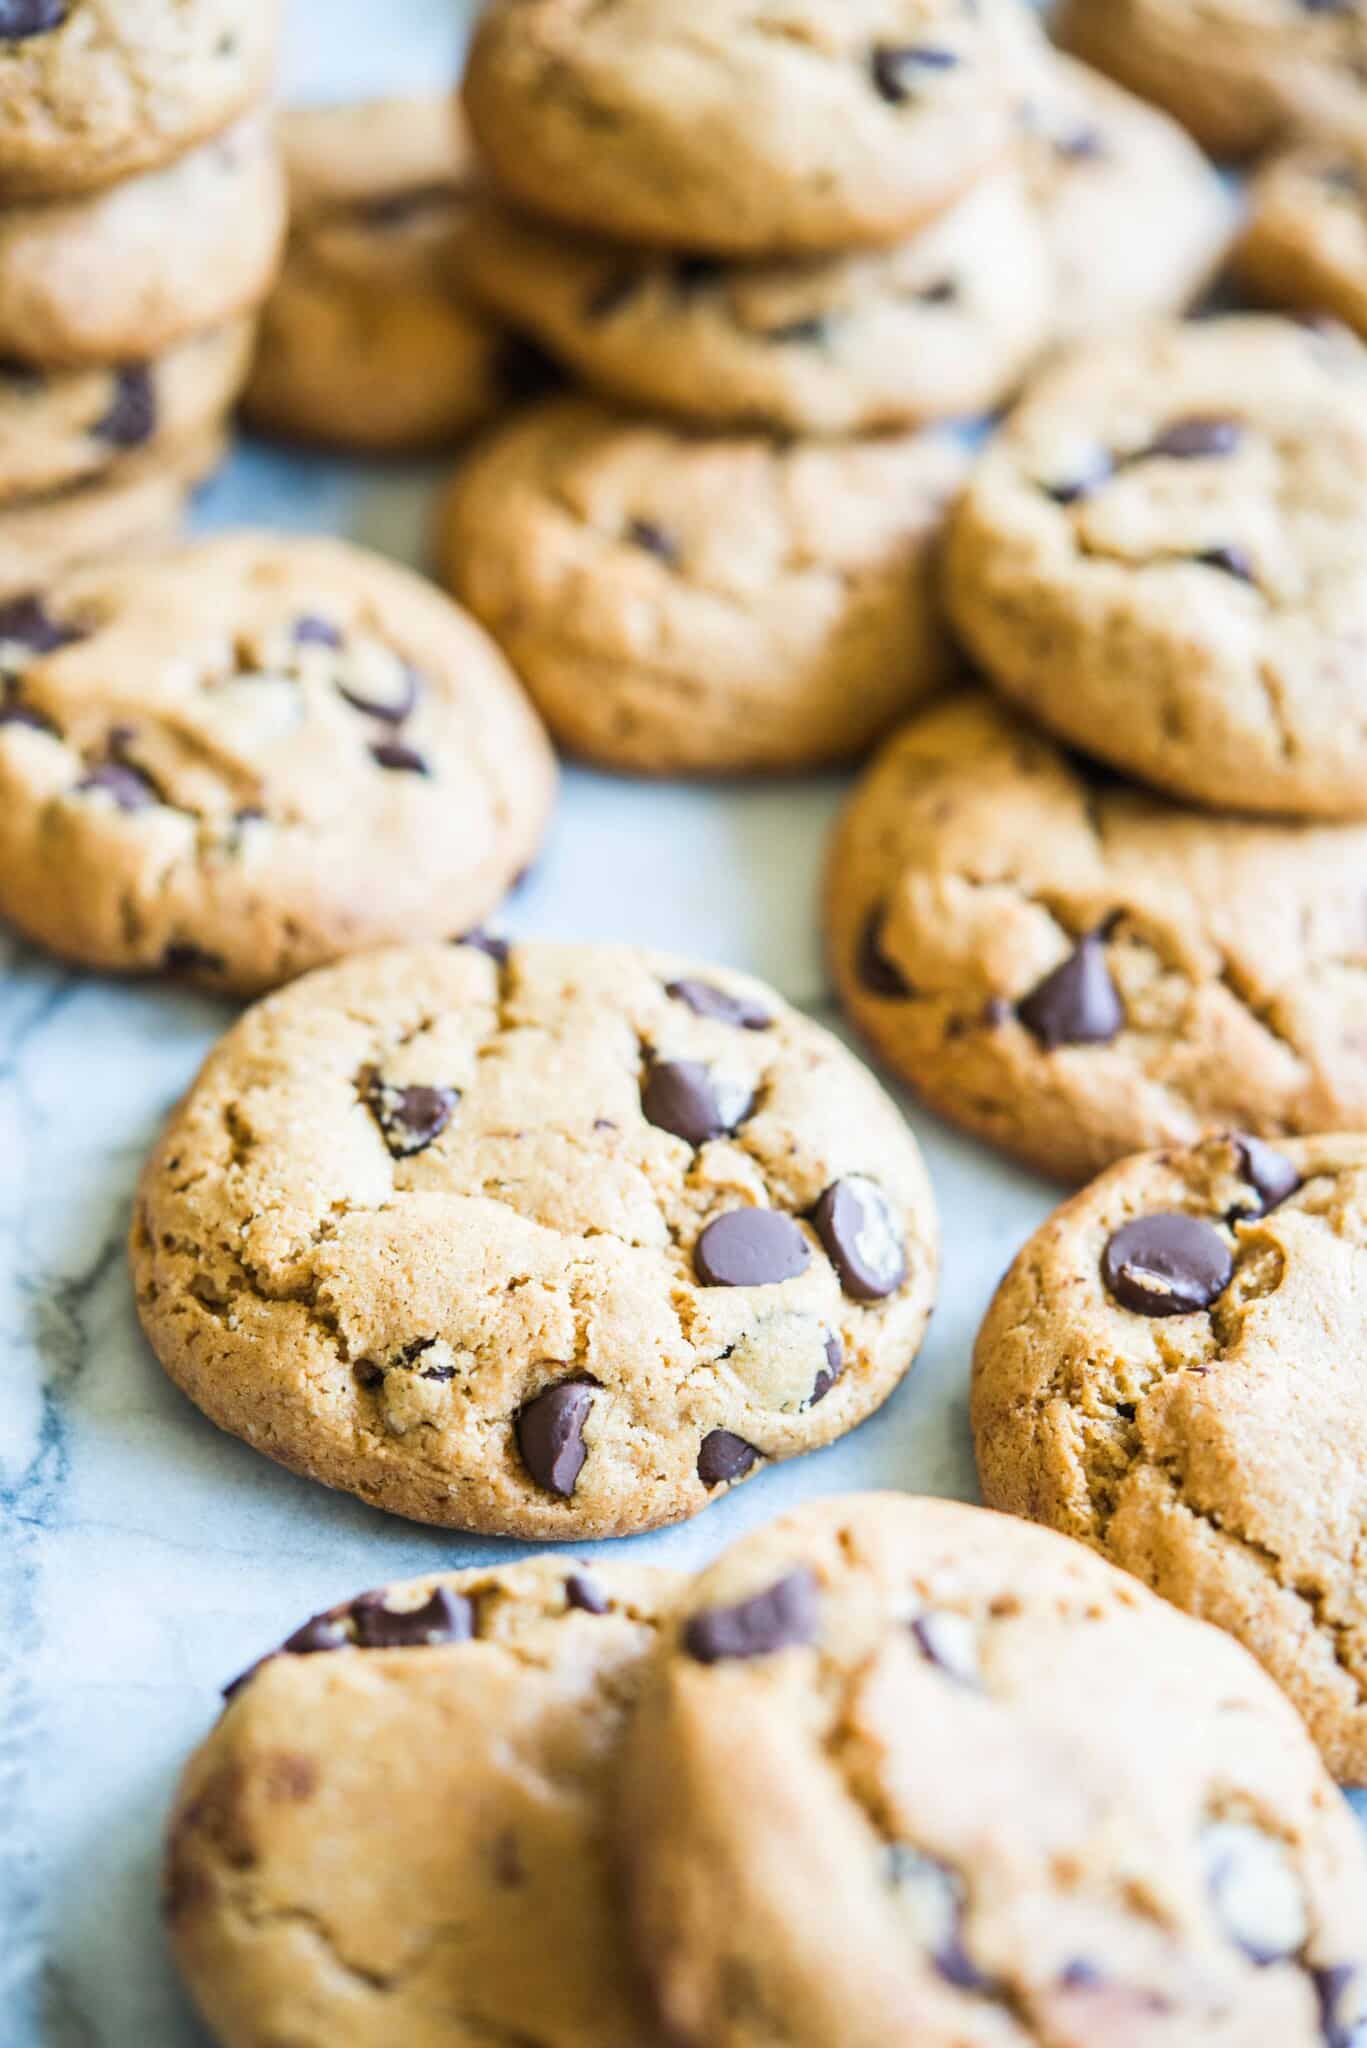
x=679, y=604
x=1136, y=221
x=744, y=129
x=547, y=1241
x=1163, y=556
x=1168, y=1372
x=1305, y=245
x=399, y=1830
x=1076, y=970
x=136, y=505
x=910, y=1772
x=75, y=426
x=939, y=326
x=248, y=755
x=96, y=90
x=127, y=273
x=1237, y=73
x=378, y=193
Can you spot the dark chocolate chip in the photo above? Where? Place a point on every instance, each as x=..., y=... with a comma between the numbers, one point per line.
x=550, y=1435
x=934, y=1897
x=410, y=1119
x=723, y=1457
x=128, y=786
x=525, y=371
x=392, y=754
x=784, y=1616
x=1078, y=1003
x=897, y=67
x=949, y=1641
x=830, y=1371
x=131, y=418
x=645, y=534
x=311, y=631
x=800, y=333
x=445, y=1617
x=1268, y=1172
x=486, y=942
x=751, y=1248
x=183, y=956
x=21, y=18
x=369, y=1375
x=393, y=711
x=681, y=1096
x=583, y=1592
x=1231, y=561
x=1341, y=1991
x=616, y=290
x=705, y=999
x=321, y=1632
x=875, y=971
x=1196, y=438
x=1070, y=490
x=1169, y=1264
x=26, y=622
x=862, y=1241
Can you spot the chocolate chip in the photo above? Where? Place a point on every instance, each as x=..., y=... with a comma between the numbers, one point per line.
x=128, y=786
x=131, y=418
x=1255, y=1891
x=1232, y=561
x=830, y=1371
x=1268, y=1172
x=392, y=754
x=12, y=712
x=550, y=1435
x=751, y=1248
x=609, y=297
x=784, y=1616
x=26, y=622
x=950, y=1642
x=872, y=966
x=933, y=1896
x=21, y=18
x=1069, y=490
x=800, y=333
x=862, y=1242
x=321, y=1632
x=1341, y=1991
x=525, y=371
x=392, y=710
x=410, y=1119
x=723, y=1457
x=898, y=68
x=1077, y=1004
x=311, y=631
x=445, y=1617
x=1195, y=438
x=1168, y=1264
x=182, y=956
x=581, y=1591
x=705, y=999
x=681, y=1096
x=643, y=533
x=485, y=942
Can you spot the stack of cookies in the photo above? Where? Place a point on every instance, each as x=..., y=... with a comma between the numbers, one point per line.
x=141, y=216
x=801, y=250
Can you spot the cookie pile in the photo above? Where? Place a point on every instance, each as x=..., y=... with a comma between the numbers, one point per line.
x=141, y=217
x=890, y=1770
x=798, y=250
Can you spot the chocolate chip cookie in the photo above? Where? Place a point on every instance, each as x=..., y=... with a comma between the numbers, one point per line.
x=938, y=326
x=399, y=1830
x=684, y=604
x=1237, y=73
x=1163, y=556
x=1305, y=246
x=1170, y=1372
x=377, y=193
x=91, y=92
x=909, y=1772
x=736, y=129
x=251, y=754
x=548, y=1240
x=1076, y=970
x=136, y=504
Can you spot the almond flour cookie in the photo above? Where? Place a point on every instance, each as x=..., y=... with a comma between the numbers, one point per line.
x=1135, y=219
x=909, y=1773
x=399, y=1830
x=1237, y=73
x=94, y=90
x=368, y=341
x=941, y=325
x=1076, y=970
x=549, y=1241
x=1305, y=245
x=129, y=272
x=1171, y=1372
x=135, y=505
x=248, y=755
x=740, y=129
x=76, y=425
x=678, y=604
x=1163, y=556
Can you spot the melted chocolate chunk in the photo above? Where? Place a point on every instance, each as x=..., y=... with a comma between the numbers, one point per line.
x=445, y=1617
x=1197, y=438
x=1341, y=1992
x=784, y=1616
x=723, y=1456
x=129, y=788
x=874, y=970
x=550, y=1435
x=22, y=18
x=1268, y=1172
x=830, y=1371
x=583, y=1592
x=705, y=999
x=26, y=622
x=391, y=710
x=1231, y=561
x=1169, y=1264
x=406, y=760
x=485, y=942
x=183, y=956
x=899, y=68
x=751, y=1248
x=680, y=1096
x=412, y=1118
x=131, y=418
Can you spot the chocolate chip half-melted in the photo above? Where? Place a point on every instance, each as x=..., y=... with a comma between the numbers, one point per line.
x=410, y=1118
x=685, y=1098
x=1168, y=1264
x=550, y=1435
x=130, y=419
x=705, y=999
x=784, y=1616
x=369, y=1623
x=900, y=70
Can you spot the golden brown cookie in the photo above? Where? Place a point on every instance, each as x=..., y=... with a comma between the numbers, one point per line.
x=135, y=505
x=1305, y=246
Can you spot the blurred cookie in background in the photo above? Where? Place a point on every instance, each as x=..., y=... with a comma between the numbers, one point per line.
x=1305, y=246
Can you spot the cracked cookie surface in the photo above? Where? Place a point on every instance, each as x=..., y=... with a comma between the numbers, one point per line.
x=908, y=1772
x=1076, y=970
x=1170, y=1372
x=681, y=604
x=378, y=191
x=739, y=127
x=1305, y=245
x=399, y=1831
x=242, y=757
x=1164, y=557
x=547, y=1241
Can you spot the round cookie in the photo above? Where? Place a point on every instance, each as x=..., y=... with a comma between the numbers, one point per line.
x=1237, y=73
x=1305, y=245
x=130, y=272
x=91, y=92
x=550, y=1240
x=243, y=757
x=1136, y=221
x=941, y=325
x=1163, y=556
x=681, y=604
x=1170, y=1372
x=77, y=425
x=723, y=128
x=378, y=191
x=910, y=1772
x=1076, y=970
x=399, y=1830
x=137, y=504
